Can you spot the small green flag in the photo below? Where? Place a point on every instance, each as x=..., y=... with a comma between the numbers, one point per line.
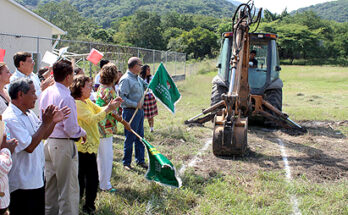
x=163, y=87
x=160, y=170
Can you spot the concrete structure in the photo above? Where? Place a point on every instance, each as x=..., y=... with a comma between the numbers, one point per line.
x=18, y=20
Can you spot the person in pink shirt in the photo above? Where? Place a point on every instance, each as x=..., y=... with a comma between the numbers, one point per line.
x=61, y=157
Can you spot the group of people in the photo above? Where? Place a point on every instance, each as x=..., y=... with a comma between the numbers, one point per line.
x=57, y=142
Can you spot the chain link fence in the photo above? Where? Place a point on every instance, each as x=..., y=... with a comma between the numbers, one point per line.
x=175, y=62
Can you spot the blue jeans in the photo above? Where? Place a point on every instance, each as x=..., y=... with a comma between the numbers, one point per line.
x=138, y=126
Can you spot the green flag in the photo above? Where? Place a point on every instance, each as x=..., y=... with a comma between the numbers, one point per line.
x=163, y=87
x=160, y=170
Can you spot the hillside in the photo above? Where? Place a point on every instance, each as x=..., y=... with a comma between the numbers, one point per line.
x=335, y=10
x=107, y=11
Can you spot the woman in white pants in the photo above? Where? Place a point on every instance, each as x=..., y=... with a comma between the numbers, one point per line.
x=106, y=92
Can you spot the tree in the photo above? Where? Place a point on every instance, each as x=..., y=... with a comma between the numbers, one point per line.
x=197, y=43
x=66, y=17
x=297, y=41
x=103, y=35
x=143, y=30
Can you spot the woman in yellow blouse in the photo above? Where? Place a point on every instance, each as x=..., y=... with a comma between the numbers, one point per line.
x=88, y=116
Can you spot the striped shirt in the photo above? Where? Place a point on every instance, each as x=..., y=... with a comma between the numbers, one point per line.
x=5, y=166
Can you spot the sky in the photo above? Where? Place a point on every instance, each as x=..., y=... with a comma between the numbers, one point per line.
x=278, y=6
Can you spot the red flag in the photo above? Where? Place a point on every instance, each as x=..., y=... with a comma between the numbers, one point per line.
x=95, y=56
x=2, y=54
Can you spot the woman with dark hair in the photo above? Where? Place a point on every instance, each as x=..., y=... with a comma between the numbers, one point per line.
x=150, y=105
x=107, y=127
x=4, y=80
x=88, y=116
x=78, y=71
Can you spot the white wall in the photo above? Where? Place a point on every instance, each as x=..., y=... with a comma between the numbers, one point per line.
x=15, y=20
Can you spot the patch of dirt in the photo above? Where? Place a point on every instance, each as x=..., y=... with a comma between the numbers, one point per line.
x=320, y=155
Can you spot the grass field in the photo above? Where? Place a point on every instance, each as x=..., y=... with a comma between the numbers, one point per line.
x=256, y=183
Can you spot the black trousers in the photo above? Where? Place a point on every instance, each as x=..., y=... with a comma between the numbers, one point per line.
x=88, y=179
x=29, y=202
x=2, y=211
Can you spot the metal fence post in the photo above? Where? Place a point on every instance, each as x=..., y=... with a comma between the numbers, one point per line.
x=38, y=54
x=185, y=65
x=166, y=57
x=153, y=60
x=176, y=61
x=90, y=64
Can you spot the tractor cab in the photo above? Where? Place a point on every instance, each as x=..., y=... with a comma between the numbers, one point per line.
x=263, y=70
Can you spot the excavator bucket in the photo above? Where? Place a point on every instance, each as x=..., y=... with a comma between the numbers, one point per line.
x=230, y=138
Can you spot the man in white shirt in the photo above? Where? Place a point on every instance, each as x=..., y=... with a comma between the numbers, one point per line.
x=97, y=77
x=24, y=64
x=26, y=178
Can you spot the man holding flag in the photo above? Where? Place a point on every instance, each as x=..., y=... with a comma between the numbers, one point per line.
x=132, y=88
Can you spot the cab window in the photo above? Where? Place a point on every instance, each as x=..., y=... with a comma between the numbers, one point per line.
x=224, y=59
x=257, y=76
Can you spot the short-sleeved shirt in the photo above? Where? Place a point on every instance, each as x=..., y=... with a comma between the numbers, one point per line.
x=27, y=168
x=108, y=125
x=254, y=62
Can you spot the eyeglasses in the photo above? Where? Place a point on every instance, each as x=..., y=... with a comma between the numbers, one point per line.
x=140, y=64
x=30, y=61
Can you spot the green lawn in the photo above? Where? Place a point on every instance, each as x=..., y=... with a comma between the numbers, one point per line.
x=310, y=93
x=315, y=92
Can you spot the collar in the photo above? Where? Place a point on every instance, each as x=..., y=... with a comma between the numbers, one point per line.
x=16, y=110
x=132, y=74
x=62, y=87
x=22, y=75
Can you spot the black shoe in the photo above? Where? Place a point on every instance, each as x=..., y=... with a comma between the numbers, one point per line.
x=143, y=165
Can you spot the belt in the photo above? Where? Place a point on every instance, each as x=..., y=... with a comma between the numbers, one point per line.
x=73, y=139
x=129, y=108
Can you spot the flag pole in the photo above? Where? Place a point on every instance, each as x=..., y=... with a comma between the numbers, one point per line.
x=135, y=112
x=136, y=134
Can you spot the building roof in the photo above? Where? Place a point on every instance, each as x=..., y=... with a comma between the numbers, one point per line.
x=55, y=29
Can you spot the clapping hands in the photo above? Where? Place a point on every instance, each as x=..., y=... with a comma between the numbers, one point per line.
x=114, y=104
x=54, y=115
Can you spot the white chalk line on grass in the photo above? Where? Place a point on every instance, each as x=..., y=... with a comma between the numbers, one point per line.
x=195, y=159
x=151, y=203
x=293, y=198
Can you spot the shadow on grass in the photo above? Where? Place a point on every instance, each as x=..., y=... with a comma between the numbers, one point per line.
x=314, y=128
x=324, y=128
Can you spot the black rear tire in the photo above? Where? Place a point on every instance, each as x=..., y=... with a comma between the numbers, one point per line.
x=275, y=97
x=216, y=92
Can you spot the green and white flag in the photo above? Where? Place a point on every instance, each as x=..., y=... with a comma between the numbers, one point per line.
x=160, y=169
x=163, y=87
